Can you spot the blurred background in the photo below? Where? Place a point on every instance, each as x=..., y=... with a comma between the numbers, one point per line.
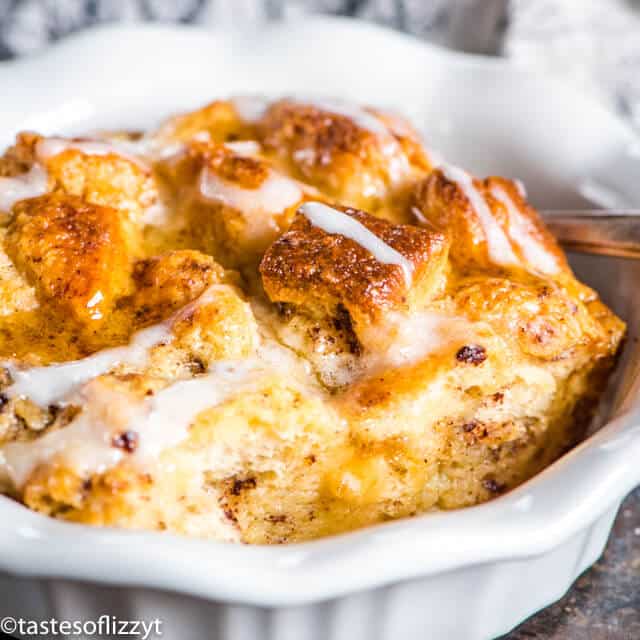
x=592, y=43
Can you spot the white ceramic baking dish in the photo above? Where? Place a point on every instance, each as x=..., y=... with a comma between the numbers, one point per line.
x=465, y=575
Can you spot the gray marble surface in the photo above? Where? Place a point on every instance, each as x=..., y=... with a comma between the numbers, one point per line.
x=604, y=603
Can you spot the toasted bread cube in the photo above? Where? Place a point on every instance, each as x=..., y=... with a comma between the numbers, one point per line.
x=326, y=272
x=219, y=326
x=75, y=253
x=236, y=205
x=489, y=222
x=95, y=171
x=169, y=281
x=408, y=137
x=251, y=443
x=210, y=319
x=219, y=119
x=354, y=155
x=541, y=316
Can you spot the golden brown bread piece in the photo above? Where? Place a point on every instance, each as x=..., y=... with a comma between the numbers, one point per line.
x=211, y=319
x=445, y=205
x=75, y=253
x=219, y=119
x=325, y=273
x=108, y=179
x=167, y=282
x=234, y=205
x=539, y=314
x=196, y=487
x=220, y=327
x=15, y=292
x=359, y=161
x=323, y=388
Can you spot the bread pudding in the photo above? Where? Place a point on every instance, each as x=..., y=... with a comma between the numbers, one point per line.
x=270, y=321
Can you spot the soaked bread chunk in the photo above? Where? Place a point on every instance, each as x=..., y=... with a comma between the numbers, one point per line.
x=334, y=260
x=74, y=253
x=167, y=282
x=219, y=121
x=234, y=205
x=355, y=155
x=489, y=221
x=98, y=171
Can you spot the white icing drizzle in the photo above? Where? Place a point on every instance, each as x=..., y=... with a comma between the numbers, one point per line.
x=167, y=151
x=47, y=384
x=156, y=149
x=31, y=184
x=273, y=196
x=398, y=162
x=520, y=229
x=173, y=409
x=332, y=221
x=522, y=190
x=244, y=147
x=50, y=147
x=500, y=250
x=208, y=296
x=250, y=108
x=53, y=383
x=202, y=136
x=159, y=421
x=435, y=157
x=156, y=214
x=419, y=216
x=398, y=166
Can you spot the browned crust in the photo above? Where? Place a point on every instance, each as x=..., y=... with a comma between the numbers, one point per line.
x=293, y=127
x=445, y=205
x=246, y=172
x=110, y=180
x=544, y=319
x=538, y=231
x=74, y=252
x=169, y=281
x=20, y=157
x=219, y=119
x=349, y=163
x=408, y=137
x=309, y=267
x=236, y=238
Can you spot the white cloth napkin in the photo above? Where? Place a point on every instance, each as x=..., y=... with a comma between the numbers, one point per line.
x=594, y=44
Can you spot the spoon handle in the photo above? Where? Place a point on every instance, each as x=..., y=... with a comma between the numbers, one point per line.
x=610, y=233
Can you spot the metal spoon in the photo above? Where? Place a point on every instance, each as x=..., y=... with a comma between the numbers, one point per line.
x=604, y=232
